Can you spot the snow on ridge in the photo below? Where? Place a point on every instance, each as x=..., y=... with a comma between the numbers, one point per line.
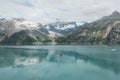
x=21, y=23
x=30, y=24
x=26, y=25
x=65, y=27
x=68, y=26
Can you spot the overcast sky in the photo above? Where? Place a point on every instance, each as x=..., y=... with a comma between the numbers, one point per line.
x=65, y=10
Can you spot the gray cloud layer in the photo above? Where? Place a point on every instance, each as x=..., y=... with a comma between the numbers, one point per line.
x=65, y=10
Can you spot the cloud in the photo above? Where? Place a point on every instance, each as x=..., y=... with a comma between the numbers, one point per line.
x=23, y=3
x=66, y=10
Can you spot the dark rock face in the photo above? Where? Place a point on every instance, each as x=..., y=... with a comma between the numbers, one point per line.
x=115, y=13
x=114, y=35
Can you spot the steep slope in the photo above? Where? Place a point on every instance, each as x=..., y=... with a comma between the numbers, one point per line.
x=114, y=35
x=103, y=31
x=21, y=31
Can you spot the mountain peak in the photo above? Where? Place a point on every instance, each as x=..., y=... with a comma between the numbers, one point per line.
x=115, y=13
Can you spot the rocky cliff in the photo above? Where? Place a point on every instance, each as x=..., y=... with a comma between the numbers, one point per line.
x=103, y=31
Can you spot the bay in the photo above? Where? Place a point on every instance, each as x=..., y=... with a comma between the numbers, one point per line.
x=60, y=62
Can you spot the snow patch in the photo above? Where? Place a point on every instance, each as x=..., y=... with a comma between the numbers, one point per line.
x=47, y=27
x=65, y=27
x=54, y=34
x=26, y=25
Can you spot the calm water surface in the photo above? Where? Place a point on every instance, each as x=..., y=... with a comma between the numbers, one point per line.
x=68, y=62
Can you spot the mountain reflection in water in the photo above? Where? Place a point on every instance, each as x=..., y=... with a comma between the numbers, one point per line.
x=22, y=57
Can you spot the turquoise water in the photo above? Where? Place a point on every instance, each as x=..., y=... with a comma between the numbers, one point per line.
x=85, y=62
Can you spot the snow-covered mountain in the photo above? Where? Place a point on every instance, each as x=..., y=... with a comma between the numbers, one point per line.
x=22, y=31
x=19, y=30
x=61, y=28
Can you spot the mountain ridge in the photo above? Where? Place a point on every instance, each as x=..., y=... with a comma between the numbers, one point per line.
x=9, y=28
x=105, y=30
